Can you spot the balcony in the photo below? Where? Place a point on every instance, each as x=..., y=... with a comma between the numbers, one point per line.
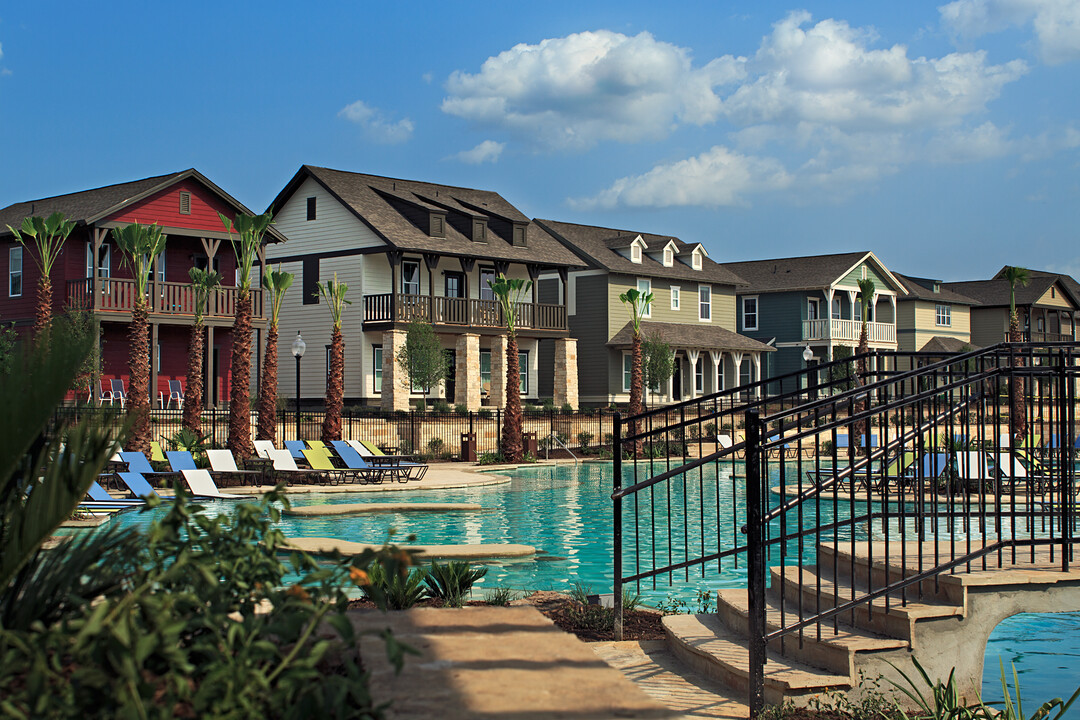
x=848, y=331
x=1034, y=336
x=389, y=308
x=170, y=298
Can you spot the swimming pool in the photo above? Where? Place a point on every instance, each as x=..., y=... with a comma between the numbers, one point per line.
x=565, y=512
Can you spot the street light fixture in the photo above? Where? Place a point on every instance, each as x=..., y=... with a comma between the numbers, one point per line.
x=807, y=353
x=298, y=348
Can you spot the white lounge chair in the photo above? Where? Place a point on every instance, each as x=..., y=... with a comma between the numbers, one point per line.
x=202, y=485
x=223, y=462
x=263, y=448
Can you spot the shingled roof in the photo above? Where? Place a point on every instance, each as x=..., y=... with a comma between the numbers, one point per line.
x=917, y=290
x=945, y=345
x=995, y=292
x=812, y=272
x=597, y=247
x=680, y=335
x=383, y=203
x=88, y=206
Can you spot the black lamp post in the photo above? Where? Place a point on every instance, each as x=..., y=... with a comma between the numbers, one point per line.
x=298, y=348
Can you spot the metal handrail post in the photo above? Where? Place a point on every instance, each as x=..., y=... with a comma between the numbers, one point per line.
x=755, y=563
x=616, y=448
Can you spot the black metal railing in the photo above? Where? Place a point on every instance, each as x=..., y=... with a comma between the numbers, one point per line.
x=926, y=461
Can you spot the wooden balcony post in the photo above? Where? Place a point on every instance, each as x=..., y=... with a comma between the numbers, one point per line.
x=95, y=282
x=432, y=262
x=534, y=273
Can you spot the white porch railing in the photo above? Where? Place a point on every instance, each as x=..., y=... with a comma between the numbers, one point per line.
x=847, y=330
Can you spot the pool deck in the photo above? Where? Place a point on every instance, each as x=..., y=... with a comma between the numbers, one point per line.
x=440, y=476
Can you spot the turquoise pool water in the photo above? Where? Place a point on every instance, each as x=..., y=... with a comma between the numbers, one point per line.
x=565, y=512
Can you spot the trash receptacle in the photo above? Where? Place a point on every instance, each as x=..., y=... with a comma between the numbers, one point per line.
x=530, y=444
x=468, y=447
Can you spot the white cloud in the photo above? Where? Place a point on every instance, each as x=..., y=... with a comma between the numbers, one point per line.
x=1056, y=22
x=715, y=178
x=969, y=145
x=487, y=151
x=574, y=91
x=375, y=124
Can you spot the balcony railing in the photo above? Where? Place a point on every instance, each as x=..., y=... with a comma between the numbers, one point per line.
x=165, y=298
x=848, y=330
x=1040, y=337
x=464, y=312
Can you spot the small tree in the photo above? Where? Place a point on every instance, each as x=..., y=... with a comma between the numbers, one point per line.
x=1017, y=407
x=203, y=282
x=510, y=292
x=276, y=283
x=422, y=358
x=333, y=292
x=657, y=362
x=8, y=339
x=246, y=245
x=48, y=236
x=637, y=304
x=140, y=245
x=83, y=325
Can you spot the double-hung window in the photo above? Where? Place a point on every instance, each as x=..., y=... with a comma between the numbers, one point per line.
x=104, y=260
x=523, y=372
x=699, y=375
x=376, y=367
x=749, y=313
x=627, y=371
x=943, y=316
x=15, y=271
x=487, y=276
x=485, y=371
x=410, y=277
x=644, y=287
x=675, y=297
x=704, y=302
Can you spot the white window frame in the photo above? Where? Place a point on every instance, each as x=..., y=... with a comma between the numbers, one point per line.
x=699, y=376
x=644, y=287
x=486, y=293
x=416, y=264
x=695, y=260
x=669, y=257
x=749, y=365
x=720, y=375
x=523, y=372
x=816, y=304
x=627, y=371
x=756, y=313
x=105, y=256
x=13, y=274
x=635, y=253
x=943, y=315
x=837, y=311
x=676, y=298
x=485, y=387
x=376, y=368
x=704, y=307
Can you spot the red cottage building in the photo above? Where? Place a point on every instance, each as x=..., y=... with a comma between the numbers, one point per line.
x=90, y=274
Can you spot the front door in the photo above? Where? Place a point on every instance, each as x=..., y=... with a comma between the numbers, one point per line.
x=451, y=374
x=676, y=380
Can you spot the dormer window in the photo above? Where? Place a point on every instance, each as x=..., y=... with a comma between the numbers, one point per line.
x=521, y=235
x=695, y=260
x=937, y=287
x=479, y=231
x=635, y=253
x=438, y=225
x=669, y=257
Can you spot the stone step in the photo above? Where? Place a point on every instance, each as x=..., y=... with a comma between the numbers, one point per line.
x=895, y=622
x=870, y=562
x=709, y=647
x=832, y=651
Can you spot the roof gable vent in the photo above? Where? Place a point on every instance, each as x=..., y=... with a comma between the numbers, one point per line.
x=185, y=202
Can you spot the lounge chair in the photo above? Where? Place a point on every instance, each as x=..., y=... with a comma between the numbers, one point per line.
x=397, y=468
x=155, y=452
x=373, y=453
x=117, y=392
x=263, y=448
x=180, y=460
x=974, y=469
x=223, y=464
x=285, y=465
x=137, y=484
x=105, y=395
x=202, y=485
x=724, y=441
x=320, y=462
x=176, y=392
x=138, y=463
x=101, y=496
x=897, y=472
x=296, y=448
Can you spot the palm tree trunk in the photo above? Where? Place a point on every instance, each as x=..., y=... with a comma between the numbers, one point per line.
x=859, y=428
x=268, y=388
x=239, y=390
x=1017, y=406
x=43, y=311
x=335, y=391
x=138, y=400
x=635, y=390
x=512, y=418
x=193, y=393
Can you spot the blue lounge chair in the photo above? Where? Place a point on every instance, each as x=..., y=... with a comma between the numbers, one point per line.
x=296, y=448
x=391, y=465
x=137, y=484
x=100, y=495
x=137, y=463
x=180, y=460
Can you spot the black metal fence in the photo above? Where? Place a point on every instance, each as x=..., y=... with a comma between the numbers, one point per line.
x=928, y=462
x=437, y=435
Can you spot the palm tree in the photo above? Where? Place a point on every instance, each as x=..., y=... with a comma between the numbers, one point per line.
x=637, y=304
x=246, y=245
x=1017, y=409
x=203, y=282
x=276, y=282
x=48, y=235
x=866, y=301
x=333, y=292
x=509, y=292
x=140, y=245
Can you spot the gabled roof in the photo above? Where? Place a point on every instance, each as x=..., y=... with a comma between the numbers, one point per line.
x=596, y=246
x=812, y=272
x=88, y=206
x=943, y=344
x=377, y=202
x=995, y=292
x=694, y=336
x=1067, y=280
x=917, y=290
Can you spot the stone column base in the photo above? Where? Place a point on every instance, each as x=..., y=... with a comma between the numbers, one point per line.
x=395, y=395
x=467, y=371
x=566, y=373
x=497, y=396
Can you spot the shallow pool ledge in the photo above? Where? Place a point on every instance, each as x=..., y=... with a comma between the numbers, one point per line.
x=326, y=546
x=358, y=508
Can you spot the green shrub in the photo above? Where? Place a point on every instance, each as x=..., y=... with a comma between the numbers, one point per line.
x=500, y=597
x=580, y=592
x=452, y=582
x=436, y=447
x=461, y=409
x=440, y=406
x=528, y=458
x=567, y=409
x=584, y=438
x=710, y=429
x=484, y=413
x=490, y=458
x=394, y=589
x=421, y=405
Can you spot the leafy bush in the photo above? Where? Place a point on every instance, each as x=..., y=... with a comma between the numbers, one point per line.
x=490, y=458
x=580, y=592
x=710, y=430
x=528, y=458
x=421, y=405
x=567, y=409
x=394, y=590
x=440, y=406
x=584, y=438
x=461, y=409
x=452, y=582
x=484, y=413
x=436, y=447
x=500, y=597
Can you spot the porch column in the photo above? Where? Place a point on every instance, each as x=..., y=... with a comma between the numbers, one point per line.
x=395, y=389
x=692, y=356
x=717, y=358
x=95, y=282
x=736, y=359
x=829, y=294
x=497, y=392
x=208, y=369
x=153, y=362
x=534, y=275
x=851, y=298
x=566, y=373
x=467, y=371
x=432, y=262
x=757, y=372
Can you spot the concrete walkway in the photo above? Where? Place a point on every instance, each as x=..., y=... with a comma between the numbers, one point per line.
x=493, y=662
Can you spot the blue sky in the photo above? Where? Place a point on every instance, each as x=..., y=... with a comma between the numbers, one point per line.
x=942, y=136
